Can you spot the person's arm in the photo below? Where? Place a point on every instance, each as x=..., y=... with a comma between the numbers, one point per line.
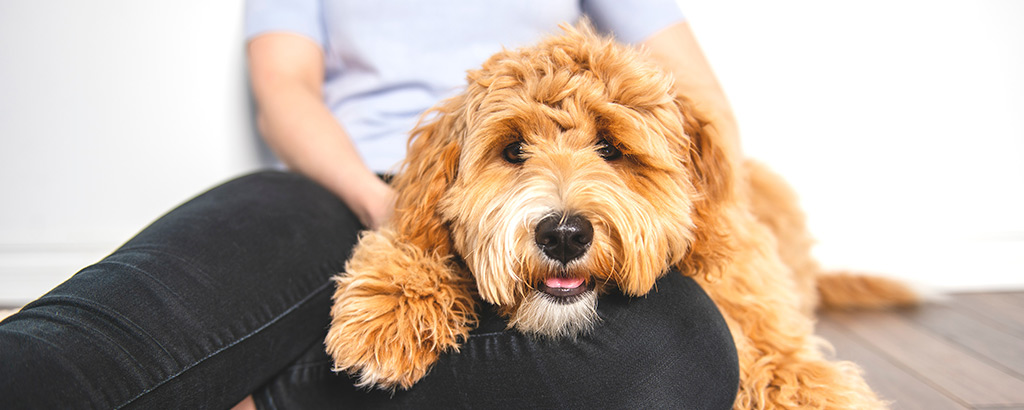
x=287, y=73
x=675, y=48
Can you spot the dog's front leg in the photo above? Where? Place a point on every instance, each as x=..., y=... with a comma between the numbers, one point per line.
x=781, y=364
x=396, y=309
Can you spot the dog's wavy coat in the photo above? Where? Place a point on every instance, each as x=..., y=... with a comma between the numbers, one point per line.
x=565, y=169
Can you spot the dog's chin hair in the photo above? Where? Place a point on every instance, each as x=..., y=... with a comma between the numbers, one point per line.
x=541, y=315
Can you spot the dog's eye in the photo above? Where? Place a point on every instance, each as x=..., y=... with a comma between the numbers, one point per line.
x=513, y=153
x=608, y=151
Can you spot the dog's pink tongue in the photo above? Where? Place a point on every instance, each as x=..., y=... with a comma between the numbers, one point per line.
x=564, y=283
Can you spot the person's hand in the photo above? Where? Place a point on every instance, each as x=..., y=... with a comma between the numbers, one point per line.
x=373, y=202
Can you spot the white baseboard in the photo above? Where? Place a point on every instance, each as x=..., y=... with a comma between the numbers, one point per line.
x=26, y=274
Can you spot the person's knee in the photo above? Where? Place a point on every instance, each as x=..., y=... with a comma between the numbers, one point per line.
x=691, y=350
x=711, y=350
x=720, y=365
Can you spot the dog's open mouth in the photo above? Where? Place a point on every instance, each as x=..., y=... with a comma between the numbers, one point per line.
x=564, y=289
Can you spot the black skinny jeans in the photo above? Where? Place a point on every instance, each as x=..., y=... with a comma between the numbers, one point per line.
x=229, y=294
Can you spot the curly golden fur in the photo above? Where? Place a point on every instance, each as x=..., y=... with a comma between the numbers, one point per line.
x=579, y=125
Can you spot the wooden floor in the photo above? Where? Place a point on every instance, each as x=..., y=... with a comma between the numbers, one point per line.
x=965, y=352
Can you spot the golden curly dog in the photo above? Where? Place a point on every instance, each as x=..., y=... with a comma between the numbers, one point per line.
x=565, y=169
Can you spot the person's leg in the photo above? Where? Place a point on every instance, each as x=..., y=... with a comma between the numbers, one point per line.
x=670, y=349
x=196, y=311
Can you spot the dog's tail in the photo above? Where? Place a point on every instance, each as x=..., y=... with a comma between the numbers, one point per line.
x=844, y=290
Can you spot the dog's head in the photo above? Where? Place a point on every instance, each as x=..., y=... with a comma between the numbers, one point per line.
x=563, y=169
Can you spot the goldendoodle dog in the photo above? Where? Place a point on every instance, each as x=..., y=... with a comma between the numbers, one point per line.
x=567, y=168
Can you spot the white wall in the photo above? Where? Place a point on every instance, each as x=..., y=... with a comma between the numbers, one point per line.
x=901, y=123
x=111, y=113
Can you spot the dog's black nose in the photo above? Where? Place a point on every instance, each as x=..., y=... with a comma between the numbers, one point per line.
x=564, y=238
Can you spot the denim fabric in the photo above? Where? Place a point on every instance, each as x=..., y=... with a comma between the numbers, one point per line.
x=231, y=291
x=668, y=350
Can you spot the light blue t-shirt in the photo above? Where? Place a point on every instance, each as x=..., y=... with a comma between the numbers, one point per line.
x=388, y=61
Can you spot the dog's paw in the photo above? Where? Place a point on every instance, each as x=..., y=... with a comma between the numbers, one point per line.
x=395, y=311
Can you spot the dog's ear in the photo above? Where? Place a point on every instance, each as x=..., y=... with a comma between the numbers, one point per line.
x=428, y=172
x=713, y=174
x=710, y=166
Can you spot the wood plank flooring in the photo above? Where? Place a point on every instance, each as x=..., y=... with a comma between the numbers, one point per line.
x=963, y=352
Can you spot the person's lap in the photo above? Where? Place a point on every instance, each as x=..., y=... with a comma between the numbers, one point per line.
x=231, y=291
x=670, y=349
